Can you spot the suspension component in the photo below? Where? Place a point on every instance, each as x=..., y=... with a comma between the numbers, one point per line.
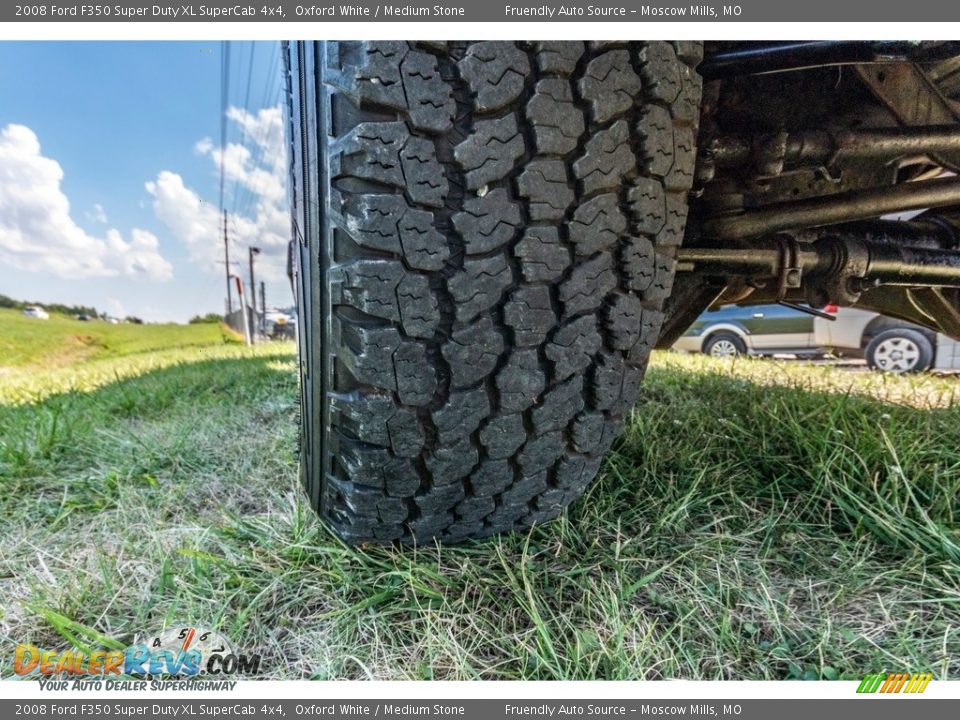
x=835, y=268
x=769, y=153
x=834, y=209
x=781, y=56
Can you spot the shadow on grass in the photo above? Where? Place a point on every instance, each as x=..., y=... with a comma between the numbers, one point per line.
x=65, y=429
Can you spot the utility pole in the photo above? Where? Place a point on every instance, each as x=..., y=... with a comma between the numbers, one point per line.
x=243, y=309
x=254, y=251
x=263, y=298
x=226, y=253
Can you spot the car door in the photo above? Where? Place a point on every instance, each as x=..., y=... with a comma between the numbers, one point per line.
x=775, y=327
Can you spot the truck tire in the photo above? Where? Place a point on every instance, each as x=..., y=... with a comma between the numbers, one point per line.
x=487, y=233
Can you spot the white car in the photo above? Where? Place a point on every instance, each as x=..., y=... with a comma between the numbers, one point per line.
x=886, y=343
x=35, y=311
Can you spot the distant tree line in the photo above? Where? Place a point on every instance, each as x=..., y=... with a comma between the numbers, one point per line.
x=208, y=318
x=71, y=310
x=8, y=302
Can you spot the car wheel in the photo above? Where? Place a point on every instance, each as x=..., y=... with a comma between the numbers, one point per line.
x=487, y=234
x=900, y=351
x=724, y=345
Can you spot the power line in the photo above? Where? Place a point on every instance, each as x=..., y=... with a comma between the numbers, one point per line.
x=224, y=101
x=246, y=107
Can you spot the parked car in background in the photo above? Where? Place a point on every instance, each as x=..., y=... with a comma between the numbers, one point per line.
x=886, y=343
x=279, y=324
x=35, y=311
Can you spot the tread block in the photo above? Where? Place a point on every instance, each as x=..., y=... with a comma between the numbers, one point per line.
x=416, y=378
x=377, y=468
x=638, y=263
x=540, y=452
x=369, y=286
x=384, y=289
x=648, y=205
x=655, y=129
x=480, y=286
x=530, y=313
x=544, y=183
x=557, y=123
x=490, y=151
x=521, y=381
x=394, y=75
x=597, y=224
x=592, y=433
x=503, y=435
x=491, y=477
x=559, y=406
x=607, y=158
x=406, y=433
x=610, y=84
x=375, y=419
x=367, y=503
x=647, y=271
x=476, y=508
x=462, y=414
x=542, y=257
x=573, y=346
x=624, y=321
x=574, y=472
x=650, y=324
x=660, y=71
x=525, y=491
x=472, y=352
x=389, y=224
x=508, y=517
x=452, y=463
x=364, y=416
x=588, y=284
x=419, y=314
x=489, y=222
x=496, y=73
x=440, y=498
x=663, y=274
x=558, y=56
x=385, y=152
x=430, y=526
x=614, y=382
x=657, y=213
x=369, y=354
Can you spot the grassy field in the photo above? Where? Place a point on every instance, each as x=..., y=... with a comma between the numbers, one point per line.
x=758, y=520
x=64, y=341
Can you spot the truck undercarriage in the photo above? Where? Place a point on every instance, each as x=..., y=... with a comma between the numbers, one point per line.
x=825, y=174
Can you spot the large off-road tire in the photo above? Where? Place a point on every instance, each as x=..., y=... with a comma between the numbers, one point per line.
x=487, y=233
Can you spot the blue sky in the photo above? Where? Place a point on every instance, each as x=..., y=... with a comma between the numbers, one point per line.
x=109, y=173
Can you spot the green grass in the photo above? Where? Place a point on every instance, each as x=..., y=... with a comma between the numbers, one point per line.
x=758, y=520
x=63, y=341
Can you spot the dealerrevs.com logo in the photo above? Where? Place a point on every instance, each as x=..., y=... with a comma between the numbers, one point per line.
x=179, y=652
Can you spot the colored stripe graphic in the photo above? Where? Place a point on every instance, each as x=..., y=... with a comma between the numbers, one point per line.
x=890, y=683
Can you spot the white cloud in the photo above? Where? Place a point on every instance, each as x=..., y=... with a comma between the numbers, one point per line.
x=98, y=214
x=37, y=232
x=257, y=168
